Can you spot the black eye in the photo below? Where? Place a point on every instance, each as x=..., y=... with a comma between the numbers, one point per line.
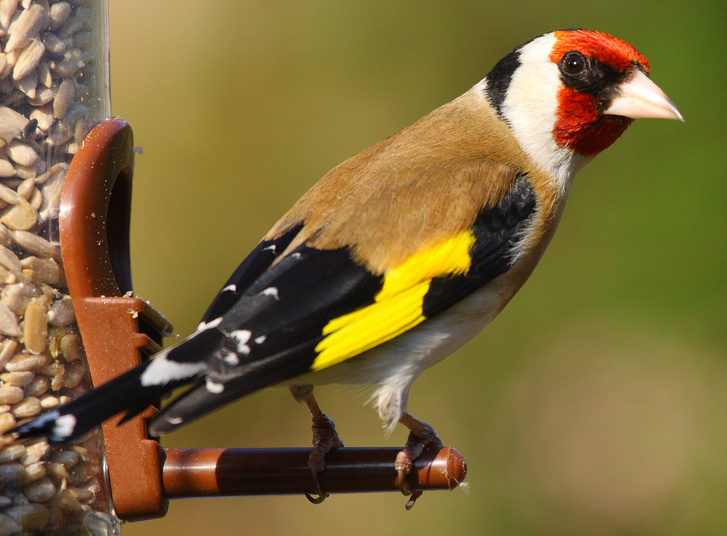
x=573, y=63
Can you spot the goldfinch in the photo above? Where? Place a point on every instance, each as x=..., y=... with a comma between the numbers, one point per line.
x=401, y=254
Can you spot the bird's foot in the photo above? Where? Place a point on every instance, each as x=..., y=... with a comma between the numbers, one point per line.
x=325, y=438
x=421, y=438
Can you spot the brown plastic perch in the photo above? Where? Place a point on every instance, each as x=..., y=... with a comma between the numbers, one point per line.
x=117, y=331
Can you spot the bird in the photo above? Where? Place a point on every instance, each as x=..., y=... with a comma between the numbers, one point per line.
x=399, y=255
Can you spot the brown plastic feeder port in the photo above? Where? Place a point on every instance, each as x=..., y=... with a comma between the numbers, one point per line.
x=118, y=331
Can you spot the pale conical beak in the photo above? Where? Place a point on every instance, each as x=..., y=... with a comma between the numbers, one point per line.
x=640, y=97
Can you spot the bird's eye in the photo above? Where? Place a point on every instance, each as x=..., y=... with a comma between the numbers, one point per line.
x=574, y=63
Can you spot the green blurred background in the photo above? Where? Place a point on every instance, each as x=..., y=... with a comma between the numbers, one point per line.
x=597, y=402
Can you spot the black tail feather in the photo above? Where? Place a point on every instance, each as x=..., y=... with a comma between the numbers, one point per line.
x=72, y=420
x=208, y=396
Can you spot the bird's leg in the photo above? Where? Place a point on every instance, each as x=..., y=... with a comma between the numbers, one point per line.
x=421, y=437
x=325, y=438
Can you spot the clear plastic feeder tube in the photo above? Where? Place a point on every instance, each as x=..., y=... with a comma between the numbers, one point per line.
x=53, y=89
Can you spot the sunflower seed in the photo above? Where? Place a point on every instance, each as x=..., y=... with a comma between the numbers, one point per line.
x=11, y=453
x=41, y=270
x=8, y=323
x=5, y=238
x=52, y=189
x=44, y=115
x=34, y=471
x=43, y=95
x=68, y=458
x=58, y=470
x=28, y=407
x=35, y=328
x=38, y=386
x=75, y=370
x=59, y=13
x=36, y=199
x=82, y=39
x=7, y=10
x=72, y=60
x=22, y=153
x=31, y=517
x=52, y=42
x=37, y=245
x=12, y=123
x=49, y=401
x=20, y=216
x=65, y=96
x=6, y=168
x=8, y=259
x=27, y=362
x=25, y=28
x=61, y=314
x=57, y=378
x=8, y=525
x=25, y=188
x=41, y=490
x=9, y=278
x=45, y=78
x=29, y=59
x=17, y=297
x=7, y=350
x=75, y=23
x=10, y=472
x=34, y=452
x=71, y=348
x=7, y=421
x=10, y=395
x=28, y=84
x=20, y=378
x=59, y=133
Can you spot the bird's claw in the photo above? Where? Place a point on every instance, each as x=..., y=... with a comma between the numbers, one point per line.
x=321, y=495
x=421, y=437
x=414, y=496
x=325, y=438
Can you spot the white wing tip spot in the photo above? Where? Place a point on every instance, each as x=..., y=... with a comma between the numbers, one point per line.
x=162, y=371
x=231, y=358
x=64, y=426
x=209, y=325
x=214, y=387
x=242, y=336
x=230, y=288
x=271, y=291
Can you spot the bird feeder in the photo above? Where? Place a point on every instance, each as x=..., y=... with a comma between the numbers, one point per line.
x=68, y=317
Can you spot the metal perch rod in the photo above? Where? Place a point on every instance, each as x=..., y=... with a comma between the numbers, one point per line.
x=226, y=472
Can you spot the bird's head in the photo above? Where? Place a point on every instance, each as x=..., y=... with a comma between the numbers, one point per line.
x=568, y=95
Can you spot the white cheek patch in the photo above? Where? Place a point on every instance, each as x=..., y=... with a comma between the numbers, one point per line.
x=531, y=107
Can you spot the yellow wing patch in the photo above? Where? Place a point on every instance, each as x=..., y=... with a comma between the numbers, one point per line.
x=398, y=305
